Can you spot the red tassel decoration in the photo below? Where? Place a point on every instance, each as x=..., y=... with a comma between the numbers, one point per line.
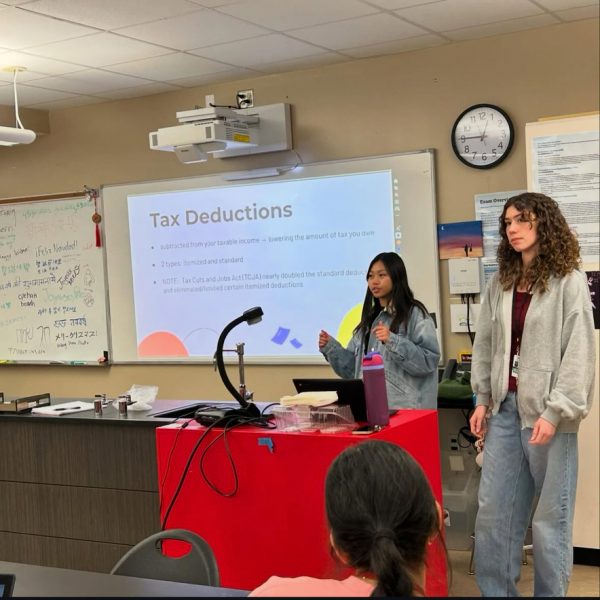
x=96, y=217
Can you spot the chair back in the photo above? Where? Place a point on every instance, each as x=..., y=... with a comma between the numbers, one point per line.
x=147, y=560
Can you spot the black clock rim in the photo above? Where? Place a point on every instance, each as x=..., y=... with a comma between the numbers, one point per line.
x=505, y=154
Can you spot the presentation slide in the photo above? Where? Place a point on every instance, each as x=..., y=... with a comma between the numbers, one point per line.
x=299, y=249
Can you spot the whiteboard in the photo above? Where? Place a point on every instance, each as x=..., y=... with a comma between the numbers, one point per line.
x=52, y=284
x=186, y=256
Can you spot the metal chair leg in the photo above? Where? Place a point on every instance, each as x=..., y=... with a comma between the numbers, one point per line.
x=471, y=569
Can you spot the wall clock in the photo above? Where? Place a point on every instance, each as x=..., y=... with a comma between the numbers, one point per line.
x=482, y=136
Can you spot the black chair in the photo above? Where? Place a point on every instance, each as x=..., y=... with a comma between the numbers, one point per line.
x=147, y=560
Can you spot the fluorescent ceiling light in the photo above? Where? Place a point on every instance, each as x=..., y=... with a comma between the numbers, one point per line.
x=10, y=136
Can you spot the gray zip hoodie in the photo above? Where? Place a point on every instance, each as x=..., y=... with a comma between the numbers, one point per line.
x=557, y=354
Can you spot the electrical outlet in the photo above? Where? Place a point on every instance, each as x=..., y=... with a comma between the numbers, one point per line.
x=453, y=443
x=245, y=98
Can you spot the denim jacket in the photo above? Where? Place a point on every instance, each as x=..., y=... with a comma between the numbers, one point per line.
x=410, y=358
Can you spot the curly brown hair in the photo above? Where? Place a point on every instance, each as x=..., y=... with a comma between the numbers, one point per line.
x=558, y=252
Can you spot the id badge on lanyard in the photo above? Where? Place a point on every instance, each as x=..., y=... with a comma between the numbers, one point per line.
x=514, y=371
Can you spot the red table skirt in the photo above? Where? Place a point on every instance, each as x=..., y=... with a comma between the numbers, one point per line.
x=262, y=511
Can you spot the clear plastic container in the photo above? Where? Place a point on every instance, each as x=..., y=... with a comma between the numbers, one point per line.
x=326, y=419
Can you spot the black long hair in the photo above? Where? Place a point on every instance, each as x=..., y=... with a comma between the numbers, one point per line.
x=403, y=298
x=382, y=513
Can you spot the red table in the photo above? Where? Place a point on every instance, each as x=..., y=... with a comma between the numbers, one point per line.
x=275, y=522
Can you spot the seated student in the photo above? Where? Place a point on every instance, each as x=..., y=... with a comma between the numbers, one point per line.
x=382, y=516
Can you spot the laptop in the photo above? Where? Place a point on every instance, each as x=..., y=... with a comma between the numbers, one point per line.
x=350, y=392
x=7, y=583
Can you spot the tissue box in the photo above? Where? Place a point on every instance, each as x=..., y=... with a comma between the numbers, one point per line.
x=326, y=419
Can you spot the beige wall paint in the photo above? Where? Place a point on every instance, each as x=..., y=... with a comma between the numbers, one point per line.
x=376, y=106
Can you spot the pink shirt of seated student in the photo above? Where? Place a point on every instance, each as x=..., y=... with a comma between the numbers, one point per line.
x=310, y=586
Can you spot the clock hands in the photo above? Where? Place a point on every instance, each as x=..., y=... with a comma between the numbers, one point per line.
x=483, y=136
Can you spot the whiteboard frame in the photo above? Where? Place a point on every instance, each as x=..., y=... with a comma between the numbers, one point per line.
x=79, y=195
x=117, y=226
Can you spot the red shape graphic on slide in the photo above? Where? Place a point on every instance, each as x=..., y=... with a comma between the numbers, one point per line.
x=162, y=343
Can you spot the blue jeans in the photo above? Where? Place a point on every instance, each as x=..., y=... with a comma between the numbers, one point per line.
x=514, y=475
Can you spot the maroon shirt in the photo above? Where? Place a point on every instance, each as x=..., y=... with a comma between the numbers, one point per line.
x=521, y=302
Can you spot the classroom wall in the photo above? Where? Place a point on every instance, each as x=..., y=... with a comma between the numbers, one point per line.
x=367, y=107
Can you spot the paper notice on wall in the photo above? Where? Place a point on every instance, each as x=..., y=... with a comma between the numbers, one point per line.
x=488, y=208
x=566, y=168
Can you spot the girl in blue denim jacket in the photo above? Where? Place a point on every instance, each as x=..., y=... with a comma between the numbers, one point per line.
x=397, y=326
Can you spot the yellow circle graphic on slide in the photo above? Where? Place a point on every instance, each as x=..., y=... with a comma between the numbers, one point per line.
x=350, y=320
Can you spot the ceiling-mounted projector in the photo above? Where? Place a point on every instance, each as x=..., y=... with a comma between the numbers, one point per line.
x=225, y=132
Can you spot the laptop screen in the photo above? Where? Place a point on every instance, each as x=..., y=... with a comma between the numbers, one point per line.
x=350, y=392
x=7, y=583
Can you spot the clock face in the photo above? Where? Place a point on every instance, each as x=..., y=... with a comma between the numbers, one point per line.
x=482, y=136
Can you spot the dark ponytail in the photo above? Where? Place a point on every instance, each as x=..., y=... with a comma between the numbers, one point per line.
x=382, y=513
x=393, y=574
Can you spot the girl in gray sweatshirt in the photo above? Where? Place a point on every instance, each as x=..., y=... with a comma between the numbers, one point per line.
x=533, y=377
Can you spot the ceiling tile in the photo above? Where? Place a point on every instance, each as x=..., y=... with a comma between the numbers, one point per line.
x=395, y=4
x=255, y=51
x=482, y=31
x=160, y=45
x=22, y=76
x=203, y=28
x=359, y=32
x=27, y=95
x=110, y=14
x=91, y=82
x=140, y=90
x=456, y=14
x=576, y=14
x=406, y=45
x=231, y=75
x=214, y=3
x=20, y=29
x=328, y=58
x=36, y=65
x=292, y=14
x=565, y=4
x=70, y=102
x=99, y=50
x=170, y=67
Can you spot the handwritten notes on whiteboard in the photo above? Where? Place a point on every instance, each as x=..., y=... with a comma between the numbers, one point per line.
x=52, y=289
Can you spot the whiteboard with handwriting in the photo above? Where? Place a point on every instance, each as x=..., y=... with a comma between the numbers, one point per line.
x=52, y=285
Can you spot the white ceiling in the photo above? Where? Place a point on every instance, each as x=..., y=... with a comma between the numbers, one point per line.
x=86, y=51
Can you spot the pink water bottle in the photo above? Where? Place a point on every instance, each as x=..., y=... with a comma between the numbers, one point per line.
x=375, y=390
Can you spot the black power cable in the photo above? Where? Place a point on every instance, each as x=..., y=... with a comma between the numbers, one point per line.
x=257, y=422
x=227, y=423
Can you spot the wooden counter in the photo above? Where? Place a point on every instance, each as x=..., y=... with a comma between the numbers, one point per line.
x=77, y=491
